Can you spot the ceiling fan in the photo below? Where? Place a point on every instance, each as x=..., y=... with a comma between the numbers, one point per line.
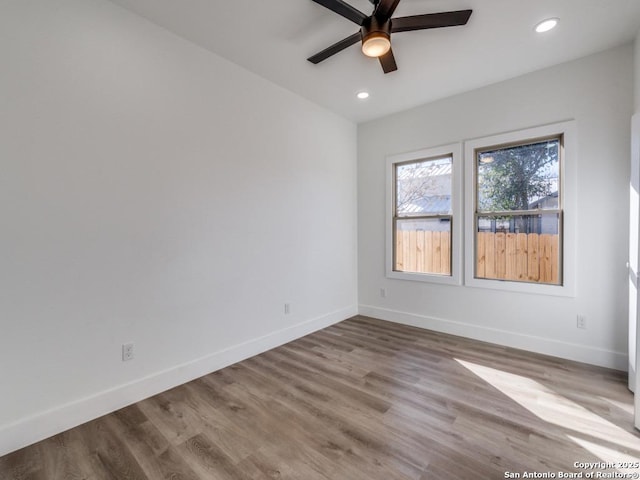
x=376, y=29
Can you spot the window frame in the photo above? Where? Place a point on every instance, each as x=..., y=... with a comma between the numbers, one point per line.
x=455, y=152
x=566, y=207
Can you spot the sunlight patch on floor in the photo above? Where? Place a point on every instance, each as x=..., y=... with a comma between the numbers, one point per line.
x=578, y=421
x=625, y=407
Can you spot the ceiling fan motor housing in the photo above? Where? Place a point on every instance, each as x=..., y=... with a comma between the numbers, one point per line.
x=372, y=27
x=376, y=36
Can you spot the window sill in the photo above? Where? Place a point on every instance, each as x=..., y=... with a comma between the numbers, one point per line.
x=566, y=290
x=424, y=277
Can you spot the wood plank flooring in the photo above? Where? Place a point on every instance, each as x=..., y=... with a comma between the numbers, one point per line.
x=363, y=399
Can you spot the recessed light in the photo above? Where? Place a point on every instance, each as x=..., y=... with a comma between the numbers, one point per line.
x=546, y=25
x=362, y=95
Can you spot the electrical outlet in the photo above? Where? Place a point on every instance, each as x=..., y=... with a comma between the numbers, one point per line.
x=127, y=352
x=287, y=308
x=383, y=292
x=581, y=322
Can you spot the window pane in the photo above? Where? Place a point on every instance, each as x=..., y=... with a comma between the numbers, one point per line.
x=522, y=248
x=423, y=246
x=523, y=177
x=424, y=187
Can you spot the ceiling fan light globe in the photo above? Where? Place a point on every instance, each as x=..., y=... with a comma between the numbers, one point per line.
x=376, y=45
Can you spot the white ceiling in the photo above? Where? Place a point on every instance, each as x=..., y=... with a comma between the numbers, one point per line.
x=273, y=38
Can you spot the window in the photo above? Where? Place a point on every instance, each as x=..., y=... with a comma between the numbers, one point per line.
x=517, y=230
x=422, y=223
x=518, y=212
x=423, y=239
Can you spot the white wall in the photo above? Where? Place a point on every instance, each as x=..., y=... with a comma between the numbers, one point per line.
x=636, y=76
x=597, y=92
x=152, y=192
x=634, y=222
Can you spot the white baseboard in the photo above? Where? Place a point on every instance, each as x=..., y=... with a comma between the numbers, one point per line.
x=32, y=429
x=547, y=346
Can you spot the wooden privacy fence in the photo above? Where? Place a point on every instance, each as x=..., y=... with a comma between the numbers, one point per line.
x=504, y=256
x=423, y=251
x=523, y=257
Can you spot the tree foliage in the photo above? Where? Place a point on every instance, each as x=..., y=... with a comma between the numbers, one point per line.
x=418, y=182
x=413, y=190
x=512, y=178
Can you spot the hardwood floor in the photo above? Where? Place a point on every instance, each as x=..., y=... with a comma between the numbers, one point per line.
x=363, y=399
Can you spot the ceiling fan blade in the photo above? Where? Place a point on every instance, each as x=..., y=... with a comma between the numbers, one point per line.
x=430, y=20
x=343, y=9
x=388, y=62
x=335, y=48
x=385, y=9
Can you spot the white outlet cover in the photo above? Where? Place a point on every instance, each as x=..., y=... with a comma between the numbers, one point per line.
x=127, y=352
